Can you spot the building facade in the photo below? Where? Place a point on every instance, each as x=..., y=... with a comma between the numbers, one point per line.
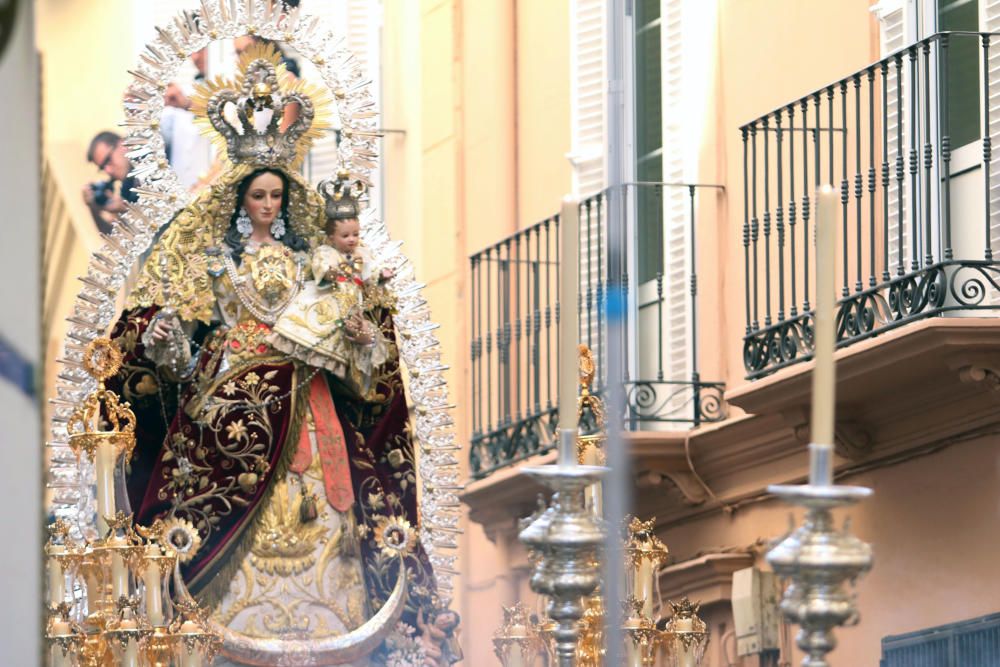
x=737, y=111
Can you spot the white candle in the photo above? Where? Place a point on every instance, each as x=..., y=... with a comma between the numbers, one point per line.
x=824, y=378
x=119, y=576
x=130, y=658
x=57, y=578
x=151, y=579
x=569, y=288
x=515, y=657
x=633, y=653
x=643, y=589
x=94, y=592
x=59, y=659
x=515, y=651
x=189, y=658
x=105, y=485
x=685, y=654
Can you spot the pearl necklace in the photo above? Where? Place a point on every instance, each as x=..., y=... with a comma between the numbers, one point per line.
x=263, y=314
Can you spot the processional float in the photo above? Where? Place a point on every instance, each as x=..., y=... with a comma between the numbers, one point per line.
x=110, y=600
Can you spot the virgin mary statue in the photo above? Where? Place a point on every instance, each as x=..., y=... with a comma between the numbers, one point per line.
x=288, y=491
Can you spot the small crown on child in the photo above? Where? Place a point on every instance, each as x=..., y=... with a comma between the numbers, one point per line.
x=343, y=196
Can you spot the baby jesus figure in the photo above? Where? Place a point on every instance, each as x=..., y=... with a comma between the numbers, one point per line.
x=325, y=324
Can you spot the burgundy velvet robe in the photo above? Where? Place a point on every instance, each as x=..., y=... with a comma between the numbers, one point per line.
x=234, y=452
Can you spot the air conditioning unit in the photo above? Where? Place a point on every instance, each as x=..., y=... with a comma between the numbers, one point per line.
x=756, y=595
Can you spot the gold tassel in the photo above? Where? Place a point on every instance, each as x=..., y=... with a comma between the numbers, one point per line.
x=351, y=544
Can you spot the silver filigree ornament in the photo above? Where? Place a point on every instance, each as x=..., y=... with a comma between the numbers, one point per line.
x=161, y=194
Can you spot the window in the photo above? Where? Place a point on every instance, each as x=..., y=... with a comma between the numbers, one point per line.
x=648, y=139
x=964, y=55
x=973, y=643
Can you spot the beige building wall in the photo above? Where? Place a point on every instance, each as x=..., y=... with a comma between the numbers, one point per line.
x=482, y=91
x=86, y=49
x=770, y=53
x=933, y=558
x=542, y=54
x=495, y=124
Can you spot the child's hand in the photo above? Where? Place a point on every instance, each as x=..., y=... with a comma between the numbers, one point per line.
x=386, y=275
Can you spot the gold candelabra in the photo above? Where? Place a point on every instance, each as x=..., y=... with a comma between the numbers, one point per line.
x=109, y=599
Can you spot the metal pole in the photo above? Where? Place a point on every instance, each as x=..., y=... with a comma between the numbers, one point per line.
x=616, y=487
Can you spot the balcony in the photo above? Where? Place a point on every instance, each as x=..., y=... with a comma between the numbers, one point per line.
x=907, y=140
x=515, y=320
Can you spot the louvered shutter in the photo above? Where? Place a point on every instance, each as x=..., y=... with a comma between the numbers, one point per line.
x=676, y=214
x=930, y=652
x=991, y=21
x=893, y=37
x=972, y=643
x=588, y=95
x=589, y=83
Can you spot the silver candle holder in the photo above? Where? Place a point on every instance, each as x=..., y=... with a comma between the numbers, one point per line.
x=818, y=560
x=565, y=538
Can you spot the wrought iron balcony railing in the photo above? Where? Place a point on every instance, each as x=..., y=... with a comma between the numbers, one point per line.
x=908, y=141
x=515, y=319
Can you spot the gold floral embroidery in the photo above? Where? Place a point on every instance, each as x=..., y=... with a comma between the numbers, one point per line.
x=237, y=430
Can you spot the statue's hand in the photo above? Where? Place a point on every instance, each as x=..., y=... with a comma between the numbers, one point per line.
x=163, y=328
x=166, y=343
x=358, y=331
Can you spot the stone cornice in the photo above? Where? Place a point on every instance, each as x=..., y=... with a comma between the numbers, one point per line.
x=911, y=389
x=707, y=579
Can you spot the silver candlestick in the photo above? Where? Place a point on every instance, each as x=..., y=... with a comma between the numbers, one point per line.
x=565, y=539
x=819, y=560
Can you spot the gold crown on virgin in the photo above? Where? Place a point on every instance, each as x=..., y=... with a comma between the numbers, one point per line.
x=248, y=112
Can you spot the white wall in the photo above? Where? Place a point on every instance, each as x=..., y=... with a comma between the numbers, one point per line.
x=20, y=431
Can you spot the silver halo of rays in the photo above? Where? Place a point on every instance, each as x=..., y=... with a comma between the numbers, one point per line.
x=71, y=484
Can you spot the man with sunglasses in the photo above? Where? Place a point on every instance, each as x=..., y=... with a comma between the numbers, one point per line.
x=107, y=151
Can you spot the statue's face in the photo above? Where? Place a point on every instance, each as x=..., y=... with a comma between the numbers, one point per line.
x=345, y=235
x=263, y=199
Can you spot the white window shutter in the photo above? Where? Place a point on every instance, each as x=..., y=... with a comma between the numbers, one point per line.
x=892, y=26
x=588, y=96
x=991, y=23
x=588, y=93
x=676, y=202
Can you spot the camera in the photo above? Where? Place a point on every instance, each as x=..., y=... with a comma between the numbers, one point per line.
x=102, y=192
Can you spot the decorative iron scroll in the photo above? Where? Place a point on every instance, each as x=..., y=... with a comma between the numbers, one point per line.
x=931, y=291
